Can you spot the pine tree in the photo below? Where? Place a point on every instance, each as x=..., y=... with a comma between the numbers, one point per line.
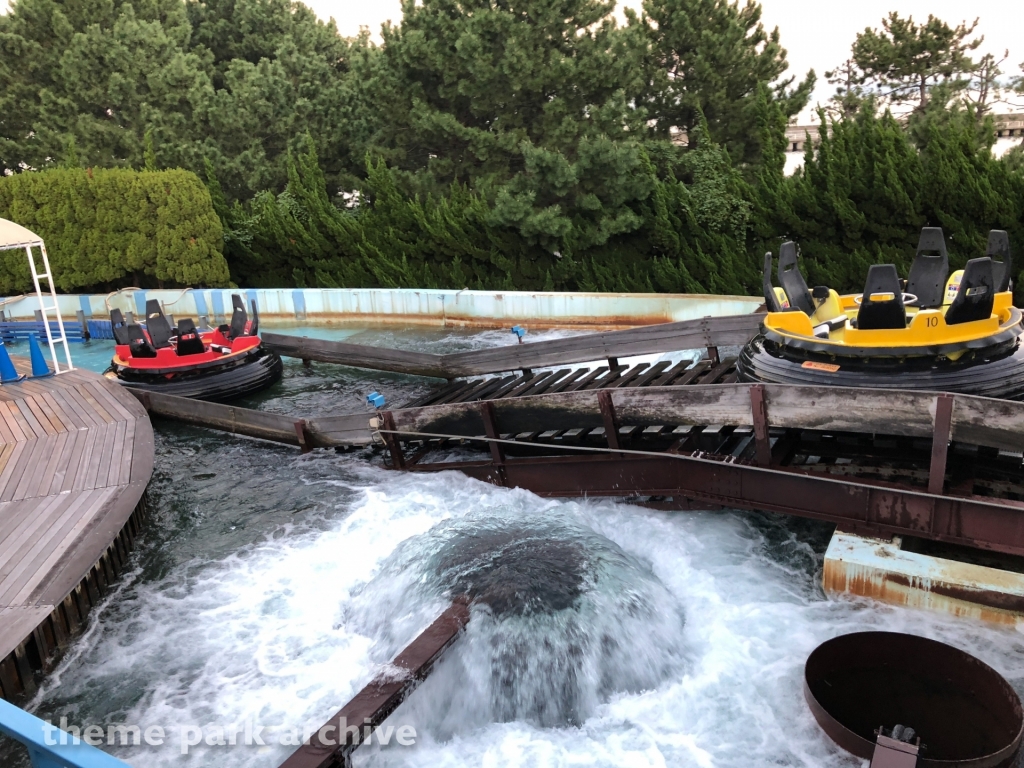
x=708, y=60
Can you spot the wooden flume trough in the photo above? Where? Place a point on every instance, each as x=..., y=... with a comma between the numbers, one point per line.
x=872, y=461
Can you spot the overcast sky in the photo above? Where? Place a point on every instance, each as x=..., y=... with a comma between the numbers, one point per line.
x=817, y=34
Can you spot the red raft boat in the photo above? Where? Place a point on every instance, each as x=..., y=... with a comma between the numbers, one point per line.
x=221, y=364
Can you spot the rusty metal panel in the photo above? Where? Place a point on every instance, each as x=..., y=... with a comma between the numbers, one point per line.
x=851, y=502
x=964, y=713
x=334, y=742
x=880, y=569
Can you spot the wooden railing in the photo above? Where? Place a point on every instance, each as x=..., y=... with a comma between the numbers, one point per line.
x=652, y=339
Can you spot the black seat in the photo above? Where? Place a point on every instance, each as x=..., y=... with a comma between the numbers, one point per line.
x=976, y=295
x=138, y=344
x=880, y=313
x=792, y=281
x=189, y=342
x=930, y=270
x=999, y=248
x=118, y=327
x=157, y=326
x=238, y=317
x=771, y=301
x=254, y=327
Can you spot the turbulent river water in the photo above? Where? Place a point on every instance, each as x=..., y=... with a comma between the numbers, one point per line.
x=269, y=587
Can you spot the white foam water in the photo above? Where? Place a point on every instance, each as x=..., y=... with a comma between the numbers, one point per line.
x=678, y=639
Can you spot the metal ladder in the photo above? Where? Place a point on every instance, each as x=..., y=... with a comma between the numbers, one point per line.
x=45, y=308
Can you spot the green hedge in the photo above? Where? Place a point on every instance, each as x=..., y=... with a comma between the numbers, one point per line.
x=111, y=228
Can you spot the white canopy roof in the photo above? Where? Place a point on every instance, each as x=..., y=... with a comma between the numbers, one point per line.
x=16, y=236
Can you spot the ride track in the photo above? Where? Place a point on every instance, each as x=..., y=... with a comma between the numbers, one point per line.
x=918, y=464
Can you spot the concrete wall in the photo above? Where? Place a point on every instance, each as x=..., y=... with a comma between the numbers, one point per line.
x=486, y=309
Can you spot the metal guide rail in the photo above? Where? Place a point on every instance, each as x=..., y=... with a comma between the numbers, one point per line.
x=711, y=370
x=881, y=462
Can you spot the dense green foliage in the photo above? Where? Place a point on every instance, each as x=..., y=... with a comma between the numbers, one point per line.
x=107, y=228
x=866, y=190
x=497, y=144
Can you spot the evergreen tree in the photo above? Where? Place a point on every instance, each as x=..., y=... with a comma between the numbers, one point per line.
x=905, y=61
x=708, y=58
x=524, y=101
x=101, y=73
x=110, y=228
x=277, y=74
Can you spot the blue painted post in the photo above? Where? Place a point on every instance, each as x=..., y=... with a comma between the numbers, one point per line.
x=200, y=299
x=83, y=300
x=44, y=742
x=140, y=303
x=251, y=299
x=218, y=307
x=299, y=300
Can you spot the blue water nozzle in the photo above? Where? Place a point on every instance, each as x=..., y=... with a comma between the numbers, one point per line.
x=375, y=399
x=518, y=330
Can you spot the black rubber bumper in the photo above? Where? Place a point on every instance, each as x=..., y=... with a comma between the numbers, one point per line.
x=253, y=373
x=997, y=372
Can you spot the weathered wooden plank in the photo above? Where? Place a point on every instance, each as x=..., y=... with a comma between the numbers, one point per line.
x=64, y=459
x=908, y=414
x=38, y=430
x=117, y=455
x=17, y=623
x=24, y=474
x=568, y=380
x=981, y=421
x=52, y=459
x=85, y=411
x=89, y=464
x=667, y=337
x=355, y=355
x=227, y=418
x=353, y=429
x=30, y=528
x=985, y=421
x=10, y=413
x=67, y=533
x=67, y=409
x=55, y=413
x=110, y=510
x=104, y=451
x=128, y=452
x=38, y=555
x=142, y=454
x=105, y=396
x=103, y=412
x=6, y=435
x=652, y=339
x=40, y=412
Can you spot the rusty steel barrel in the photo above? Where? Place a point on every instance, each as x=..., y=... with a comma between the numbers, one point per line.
x=964, y=712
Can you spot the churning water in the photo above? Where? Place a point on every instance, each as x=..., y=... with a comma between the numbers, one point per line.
x=269, y=587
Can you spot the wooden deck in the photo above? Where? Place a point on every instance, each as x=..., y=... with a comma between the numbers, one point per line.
x=76, y=454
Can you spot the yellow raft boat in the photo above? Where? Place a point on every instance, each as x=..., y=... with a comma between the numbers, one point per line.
x=933, y=331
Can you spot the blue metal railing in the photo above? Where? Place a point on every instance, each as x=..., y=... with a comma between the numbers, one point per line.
x=13, y=331
x=44, y=742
